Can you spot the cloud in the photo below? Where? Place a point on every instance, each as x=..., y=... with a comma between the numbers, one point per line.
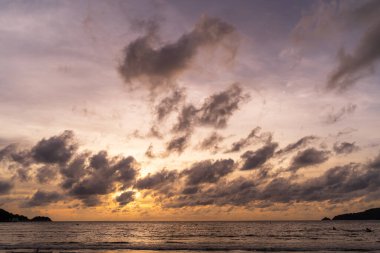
x=301, y=143
x=215, y=112
x=160, y=182
x=253, y=136
x=334, y=116
x=84, y=176
x=254, y=159
x=219, y=107
x=101, y=176
x=125, y=198
x=211, y=142
x=178, y=144
x=186, y=119
x=308, y=157
x=156, y=180
x=375, y=163
x=56, y=149
x=5, y=187
x=46, y=174
x=345, y=148
x=12, y=153
x=74, y=170
x=149, y=152
x=359, y=63
x=169, y=104
x=42, y=198
x=208, y=171
x=157, y=65
x=335, y=185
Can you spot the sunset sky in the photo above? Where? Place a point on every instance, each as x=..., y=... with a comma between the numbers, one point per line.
x=189, y=110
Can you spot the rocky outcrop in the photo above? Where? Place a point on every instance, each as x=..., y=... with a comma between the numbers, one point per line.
x=6, y=216
x=370, y=214
x=41, y=218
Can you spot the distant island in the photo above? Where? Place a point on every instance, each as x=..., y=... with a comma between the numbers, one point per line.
x=6, y=216
x=370, y=214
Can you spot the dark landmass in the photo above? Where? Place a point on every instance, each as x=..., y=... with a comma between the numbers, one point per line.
x=41, y=218
x=326, y=219
x=10, y=217
x=370, y=214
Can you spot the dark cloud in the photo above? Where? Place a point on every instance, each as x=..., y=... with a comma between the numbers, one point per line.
x=5, y=187
x=190, y=190
x=125, y=198
x=254, y=159
x=101, y=176
x=211, y=142
x=46, y=174
x=215, y=112
x=56, y=149
x=375, y=163
x=252, y=137
x=160, y=183
x=237, y=192
x=84, y=176
x=149, y=152
x=335, y=185
x=308, y=157
x=157, y=65
x=156, y=180
x=74, y=170
x=23, y=174
x=360, y=62
x=301, y=143
x=244, y=142
x=334, y=116
x=178, y=144
x=43, y=198
x=186, y=119
x=169, y=104
x=12, y=153
x=345, y=148
x=208, y=171
x=218, y=108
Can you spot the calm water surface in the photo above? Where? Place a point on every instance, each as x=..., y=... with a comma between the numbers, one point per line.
x=190, y=236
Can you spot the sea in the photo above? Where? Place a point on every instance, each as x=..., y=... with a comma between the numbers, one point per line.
x=150, y=237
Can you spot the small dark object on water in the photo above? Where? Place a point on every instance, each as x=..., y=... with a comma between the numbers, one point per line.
x=326, y=219
x=368, y=230
x=334, y=228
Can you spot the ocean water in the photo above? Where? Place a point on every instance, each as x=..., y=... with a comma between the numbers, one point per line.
x=261, y=236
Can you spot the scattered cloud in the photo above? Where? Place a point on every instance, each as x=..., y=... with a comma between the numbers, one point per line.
x=57, y=149
x=334, y=116
x=208, y=171
x=345, y=148
x=308, y=157
x=360, y=62
x=5, y=187
x=125, y=198
x=43, y=198
x=157, y=65
x=254, y=159
x=211, y=142
x=253, y=136
x=301, y=143
x=169, y=104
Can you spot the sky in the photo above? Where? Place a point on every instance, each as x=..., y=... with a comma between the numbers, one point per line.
x=189, y=110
